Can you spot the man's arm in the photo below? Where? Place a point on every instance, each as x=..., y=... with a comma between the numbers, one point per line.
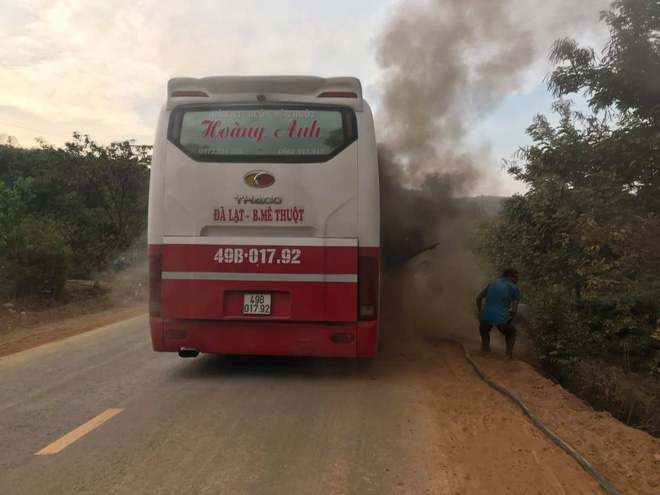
x=514, y=308
x=515, y=296
x=480, y=299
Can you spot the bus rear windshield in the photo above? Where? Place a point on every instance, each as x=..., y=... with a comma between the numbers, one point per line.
x=262, y=134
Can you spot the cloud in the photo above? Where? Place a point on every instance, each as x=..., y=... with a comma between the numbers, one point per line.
x=76, y=62
x=105, y=65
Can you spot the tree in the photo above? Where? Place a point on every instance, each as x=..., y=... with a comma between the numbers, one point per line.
x=626, y=78
x=585, y=235
x=116, y=186
x=34, y=255
x=95, y=195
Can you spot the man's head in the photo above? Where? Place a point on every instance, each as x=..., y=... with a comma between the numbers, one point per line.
x=511, y=274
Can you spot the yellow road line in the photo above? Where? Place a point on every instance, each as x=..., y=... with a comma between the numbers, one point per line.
x=74, y=435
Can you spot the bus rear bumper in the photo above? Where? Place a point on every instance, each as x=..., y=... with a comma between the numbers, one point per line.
x=340, y=339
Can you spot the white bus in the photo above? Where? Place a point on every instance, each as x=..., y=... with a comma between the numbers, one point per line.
x=264, y=218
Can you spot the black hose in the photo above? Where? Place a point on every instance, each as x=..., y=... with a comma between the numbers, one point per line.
x=400, y=261
x=607, y=486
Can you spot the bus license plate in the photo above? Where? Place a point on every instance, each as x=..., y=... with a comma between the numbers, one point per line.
x=256, y=304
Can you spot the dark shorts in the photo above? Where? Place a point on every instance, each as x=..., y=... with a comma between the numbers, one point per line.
x=505, y=328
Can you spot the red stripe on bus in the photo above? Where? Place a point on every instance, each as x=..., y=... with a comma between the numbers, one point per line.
x=278, y=259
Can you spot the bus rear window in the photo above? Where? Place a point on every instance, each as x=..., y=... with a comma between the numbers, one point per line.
x=262, y=134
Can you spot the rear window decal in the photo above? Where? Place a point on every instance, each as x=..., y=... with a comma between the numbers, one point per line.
x=273, y=134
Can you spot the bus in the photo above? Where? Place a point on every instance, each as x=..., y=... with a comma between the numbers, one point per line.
x=264, y=218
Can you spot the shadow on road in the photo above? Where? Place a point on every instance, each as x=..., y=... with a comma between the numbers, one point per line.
x=213, y=366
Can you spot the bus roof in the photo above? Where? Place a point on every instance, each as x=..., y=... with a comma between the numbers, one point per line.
x=345, y=91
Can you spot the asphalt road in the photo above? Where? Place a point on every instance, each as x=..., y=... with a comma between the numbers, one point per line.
x=213, y=424
x=406, y=422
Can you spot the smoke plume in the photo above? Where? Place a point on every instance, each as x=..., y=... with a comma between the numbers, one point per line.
x=446, y=64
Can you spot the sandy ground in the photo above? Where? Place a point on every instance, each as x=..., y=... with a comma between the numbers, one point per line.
x=628, y=457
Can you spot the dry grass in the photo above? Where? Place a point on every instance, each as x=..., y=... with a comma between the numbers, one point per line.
x=627, y=396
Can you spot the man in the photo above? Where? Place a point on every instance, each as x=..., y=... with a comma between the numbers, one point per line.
x=502, y=299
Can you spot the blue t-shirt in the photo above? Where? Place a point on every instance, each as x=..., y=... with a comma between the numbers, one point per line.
x=499, y=294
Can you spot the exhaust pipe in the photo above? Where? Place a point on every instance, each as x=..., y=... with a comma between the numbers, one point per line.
x=188, y=352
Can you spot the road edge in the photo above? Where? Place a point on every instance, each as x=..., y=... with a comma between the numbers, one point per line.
x=60, y=330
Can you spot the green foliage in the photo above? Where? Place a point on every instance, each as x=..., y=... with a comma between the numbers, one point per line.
x=38, y=258
x=112, y=198
x=13, y=206
x=585, y=235
x=557, y=336
x=91, y=197
x=627, y=76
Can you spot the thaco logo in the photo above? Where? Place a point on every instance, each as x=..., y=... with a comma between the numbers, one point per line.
x=259, y=178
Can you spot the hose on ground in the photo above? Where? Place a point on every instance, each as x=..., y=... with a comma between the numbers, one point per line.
x=607, y=486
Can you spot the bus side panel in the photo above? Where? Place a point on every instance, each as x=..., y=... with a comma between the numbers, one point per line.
x=155, y=221
x=368, y=185
x=368, y=218
x=157, y=182
x=156, y=329
x=367, y=341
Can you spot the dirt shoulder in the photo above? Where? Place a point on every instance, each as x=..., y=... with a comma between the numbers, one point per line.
x=629, y=458
x=494, y=447
x=86, y=305
x=50, y=325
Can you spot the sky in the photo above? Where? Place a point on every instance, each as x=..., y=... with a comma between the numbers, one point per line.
x=101, y=67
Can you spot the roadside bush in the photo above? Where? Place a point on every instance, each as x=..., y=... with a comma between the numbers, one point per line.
x=97, y=195
x=13, y=207
x=556, y=334
x=37, y=258
x=585, y=233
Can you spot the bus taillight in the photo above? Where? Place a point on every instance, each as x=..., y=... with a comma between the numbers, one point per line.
x=189, y=94
x=338, y=94
x=368, y=273
x=155, y=281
